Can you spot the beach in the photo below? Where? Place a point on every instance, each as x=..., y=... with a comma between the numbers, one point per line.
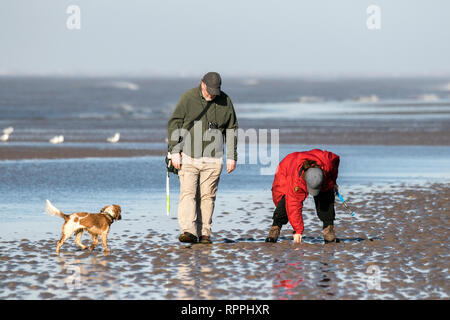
x=394, y=173
x=398, y=237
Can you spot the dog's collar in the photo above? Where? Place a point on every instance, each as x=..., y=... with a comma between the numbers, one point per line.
x=112, y=218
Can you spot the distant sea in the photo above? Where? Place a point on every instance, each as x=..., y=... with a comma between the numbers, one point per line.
x=87, y=109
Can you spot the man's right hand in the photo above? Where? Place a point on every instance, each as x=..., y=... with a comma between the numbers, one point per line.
x=176, y=160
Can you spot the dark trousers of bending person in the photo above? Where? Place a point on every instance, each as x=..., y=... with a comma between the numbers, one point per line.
x=324, y=202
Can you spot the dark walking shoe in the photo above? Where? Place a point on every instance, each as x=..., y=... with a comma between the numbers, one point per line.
x=328, y=234
x=187, y=237
x=274, y=233
x=205, y=240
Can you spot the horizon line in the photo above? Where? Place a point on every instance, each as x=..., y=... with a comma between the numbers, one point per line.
x=190, y=75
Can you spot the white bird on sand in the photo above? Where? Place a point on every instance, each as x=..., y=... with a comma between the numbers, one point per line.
x=8, y=131
x=57, y=139
x=4, y=137
x=115, y=138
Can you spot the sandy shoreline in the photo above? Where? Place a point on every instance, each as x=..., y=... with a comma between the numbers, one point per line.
x=19, y=153
x=401, y=232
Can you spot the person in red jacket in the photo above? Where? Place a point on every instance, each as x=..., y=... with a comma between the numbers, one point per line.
x=299, y=174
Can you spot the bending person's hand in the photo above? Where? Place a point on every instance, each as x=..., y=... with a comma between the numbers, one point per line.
x=176, y=160
x=297, y=238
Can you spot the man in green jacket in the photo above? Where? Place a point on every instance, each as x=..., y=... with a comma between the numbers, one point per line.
x=203, y=116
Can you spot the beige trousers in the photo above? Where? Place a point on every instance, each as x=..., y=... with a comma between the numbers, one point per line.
x=199, y=179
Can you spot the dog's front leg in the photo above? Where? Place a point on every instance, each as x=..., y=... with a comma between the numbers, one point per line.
x=64, y=237
x=104, y=242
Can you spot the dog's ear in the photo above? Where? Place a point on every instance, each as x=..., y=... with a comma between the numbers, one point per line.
x=117, y=211
x=117, y=208
x=104, y=208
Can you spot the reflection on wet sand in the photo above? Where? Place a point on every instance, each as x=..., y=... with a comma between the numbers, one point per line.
x=92, y=272
x=288, y=278
x=193, y=275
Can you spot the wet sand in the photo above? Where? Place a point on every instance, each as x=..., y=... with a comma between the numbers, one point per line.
x=396, y=247
x=18, y=153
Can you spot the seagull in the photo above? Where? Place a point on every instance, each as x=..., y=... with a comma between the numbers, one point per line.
x=57, y=139
x=8, y=131
x=115, y=138
x=4, y=137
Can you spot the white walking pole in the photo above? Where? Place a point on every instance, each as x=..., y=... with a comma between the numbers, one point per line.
x=167, y=194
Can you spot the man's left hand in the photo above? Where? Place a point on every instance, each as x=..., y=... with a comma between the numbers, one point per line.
x=231, y=165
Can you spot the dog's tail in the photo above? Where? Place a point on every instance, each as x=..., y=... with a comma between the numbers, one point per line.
x=52, y=210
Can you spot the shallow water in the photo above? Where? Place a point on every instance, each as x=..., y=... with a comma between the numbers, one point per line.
x=395, y=246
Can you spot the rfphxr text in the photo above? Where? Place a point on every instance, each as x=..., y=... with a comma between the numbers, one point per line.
x=231, y=309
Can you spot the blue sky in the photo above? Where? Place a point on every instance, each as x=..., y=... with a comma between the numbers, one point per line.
x=234, y=37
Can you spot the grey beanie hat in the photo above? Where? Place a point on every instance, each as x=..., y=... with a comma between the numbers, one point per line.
x=314, y=179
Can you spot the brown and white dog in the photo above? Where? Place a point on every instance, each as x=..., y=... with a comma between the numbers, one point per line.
x=96, y=224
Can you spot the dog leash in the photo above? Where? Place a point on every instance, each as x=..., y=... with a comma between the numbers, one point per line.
x=168, y=194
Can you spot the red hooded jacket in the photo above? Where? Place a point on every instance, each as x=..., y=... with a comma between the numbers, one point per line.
x=288, y=183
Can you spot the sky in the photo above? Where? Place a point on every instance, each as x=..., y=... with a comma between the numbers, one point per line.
x=234, y=37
